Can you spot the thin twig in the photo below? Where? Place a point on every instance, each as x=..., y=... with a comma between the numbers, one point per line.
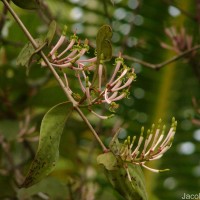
x=162, y=64
x=91, y=128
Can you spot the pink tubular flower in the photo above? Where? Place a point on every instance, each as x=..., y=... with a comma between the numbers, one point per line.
x=74, y=38
x=60, y=42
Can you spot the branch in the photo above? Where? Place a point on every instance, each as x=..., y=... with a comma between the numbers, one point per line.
x=162, y=64
x=64, y=88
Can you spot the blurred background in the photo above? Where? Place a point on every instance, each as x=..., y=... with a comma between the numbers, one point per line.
x=150, y=31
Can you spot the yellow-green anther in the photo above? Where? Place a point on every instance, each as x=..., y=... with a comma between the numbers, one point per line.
x=133, y=140
x=174, y=123
x=152, y=128
x=142, y=131
x=125, y=142
x=74, y=37
x=86, y=46
x=87, y=81
x=119, y=59
x=163, y=129
x=64, y=32
x=159, y=123
x=148, y=132
x=129, y=140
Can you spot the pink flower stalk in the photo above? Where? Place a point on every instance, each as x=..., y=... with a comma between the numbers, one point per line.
x=74, y=38
x=60, y=42
x=128, y=82
x=100, y=73
x=121, y=96
x=90, y=60
x=150, y=148
x=80, y=82
x=121, y=76
x=119, y=62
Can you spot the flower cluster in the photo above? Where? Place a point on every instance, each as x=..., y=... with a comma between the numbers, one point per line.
x=180, y=41
x=147, y=149
x=74, y=57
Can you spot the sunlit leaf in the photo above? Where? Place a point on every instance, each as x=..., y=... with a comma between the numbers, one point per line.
x=48, y=149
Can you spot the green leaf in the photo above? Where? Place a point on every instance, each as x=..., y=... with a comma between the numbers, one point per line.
x=48, y=149
x=103, y=43
x=30, y=4
x=51, y=32
x=108, y=160
x=126, y=178
x=103, y=47
x=25, y=56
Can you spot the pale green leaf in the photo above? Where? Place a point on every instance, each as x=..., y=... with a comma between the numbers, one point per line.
x=108, y=160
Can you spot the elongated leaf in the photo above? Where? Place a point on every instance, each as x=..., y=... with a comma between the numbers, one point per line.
x=103, y=47
x=51, y=32
x=48, y=149
x=27, y=4
x=103, y=43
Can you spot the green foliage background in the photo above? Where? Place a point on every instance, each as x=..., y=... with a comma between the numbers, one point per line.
x=138, y=28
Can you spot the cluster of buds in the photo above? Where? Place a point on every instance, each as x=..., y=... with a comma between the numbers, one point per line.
x=74, y=57
x=180, y=41
x=156, y=143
